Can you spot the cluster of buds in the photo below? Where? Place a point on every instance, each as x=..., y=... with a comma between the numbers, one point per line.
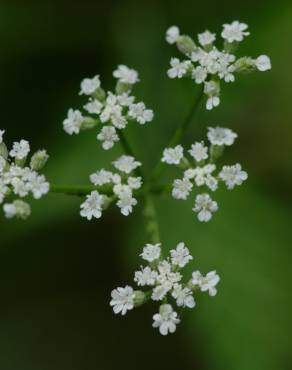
x=164, y=283
x=208, y=65
x=19, y=180
x=199, y=170
x=109, y=112
x=112, y=187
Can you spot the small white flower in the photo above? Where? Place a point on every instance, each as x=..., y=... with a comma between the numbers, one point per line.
x=221, y=136
x=263, y=63
x=89, y=85
x=208, y=283
x=126, y=202
x=166, y=276
x=172, y=34
x=197, y=278
x=233, y=175
x=92, y=207
x=72, y=123
x=206, y=38
x=122, y=188
x=101, y=177
x=183, y=296
x=122, y=300
x=166, y=320
x=108, y=136
x=190, y=173
x=181, y=255
x=111, y=108
x=145, y=277
x=18, y=209
x=20, y=149
x=94, y=106
x=234, y=31
x=205, y=206
x=199, y=151
x=126, y=75
x=212, y=102
x=151, y=252
x=181, y=188
x=173, y=155
x=2, y=132
x=160, y=291
x=140, y=113
x=39, y=186
x=199, y=74
x=126, y=164
x=20, y=187
x=125, y=100
x=178, y=69
x=135, y=182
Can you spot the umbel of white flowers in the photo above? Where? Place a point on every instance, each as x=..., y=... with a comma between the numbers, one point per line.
x=206, y=64
x=19, y=180
x=163, y=282
x=108, y=112
x=120, y=185
x=199, y=170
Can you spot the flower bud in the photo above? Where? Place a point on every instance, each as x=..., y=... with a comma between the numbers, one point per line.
x=99, y=94
x=245, y=65
x=39, y=160
x=140, y=298
x=3, y=150
x=216, y=152
x=123, y=88
x=185, y=45
x=88, y=123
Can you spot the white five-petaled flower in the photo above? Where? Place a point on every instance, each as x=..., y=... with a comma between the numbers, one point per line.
x=178, y=69
x=145, y=276
x=140, y=113
x=72, y=123
x=18, y=209
x=183, y=296
x=122, y=300
x=221, y=136
x=126, y=202
x=126, y=75
x=181, y=255
x=235, y=31
x=89, y=85
x=206, y=38
x=263, y=63
x=206, y=283
x=94, y=106
x=151, y=252
x=199, y=74
x=172, y=34
x=101, y=177
x=108, y=136
x=173, y=155
x=205, y=206
x=126, y=164
x=181, y=188
x=166, y=320
x=233, y=175
x=20, y=149
x=199, y=151
x=92, y=207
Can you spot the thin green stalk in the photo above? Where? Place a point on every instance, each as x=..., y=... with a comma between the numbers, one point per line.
x=129, y=151
x=150, y=215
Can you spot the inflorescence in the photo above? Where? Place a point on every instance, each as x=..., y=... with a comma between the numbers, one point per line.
x=199, y=170
x=20, y=180
x=164, y=283
x=206, y=64
x=108, y=112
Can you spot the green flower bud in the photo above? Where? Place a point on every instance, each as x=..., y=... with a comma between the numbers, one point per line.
x=140, y=298
x=99, y=94
x=185, y=44
x=3, y=150
x=88, y=123
x=39, y=160
x=245, y=65
x=123, y=88
x=216, y=152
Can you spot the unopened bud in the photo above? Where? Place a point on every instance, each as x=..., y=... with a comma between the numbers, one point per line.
x=39, y=160
x=185, y=45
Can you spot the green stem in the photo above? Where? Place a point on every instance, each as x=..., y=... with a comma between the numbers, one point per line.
x=151, y=219
x=129, y=151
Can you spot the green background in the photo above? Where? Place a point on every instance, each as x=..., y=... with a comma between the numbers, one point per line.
x=57, y=270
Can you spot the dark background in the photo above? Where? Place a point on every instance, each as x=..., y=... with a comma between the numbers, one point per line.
x=57, y=270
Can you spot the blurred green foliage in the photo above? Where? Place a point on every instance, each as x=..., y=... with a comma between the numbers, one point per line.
x=56, y=270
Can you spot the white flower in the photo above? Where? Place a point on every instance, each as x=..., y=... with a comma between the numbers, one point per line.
x=206, y=38
x=89, y=85
x=92, y=207
x=172, y=34
x=181, y=255
x=206, y=283
x=201, y=173
x=101, y=177
x=197, y=278
x=94, y=106
x=108, y=136
x=199, y=74
x=212, y=102
x=126, y=75
x=135, y=182
x=111, y=109
x=233, y=175
x=126, y=164
x=221, y=136
x=166, y=320
x=126, y=202
x=39, y=186
x=151, y=252
x=234, y=31
x=122, y=300
x=17, y=209
x=212, y=90
x=173, y=155
x=190, y=173
x=145, y=277
x=2, y=132
x=183, y=296
x=20, y=187
x=125, y=100
x=199, y=152
x=263, y=63
x=140, y=113
x=121, y=188
x=160, y=291
x=178, y=69
x=166, y=276
x=20, y=149
x=205, y=206
x=181, y=188
x=72, y=123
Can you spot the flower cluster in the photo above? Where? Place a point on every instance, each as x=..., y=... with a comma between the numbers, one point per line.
x=110, y=112
x=17, y=179
x=113, y=187
x=163, y=279
x=199, y=170
x=208, y=65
